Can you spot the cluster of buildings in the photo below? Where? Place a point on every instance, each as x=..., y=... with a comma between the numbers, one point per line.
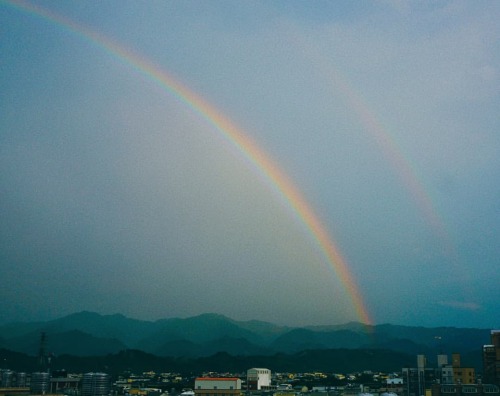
x=57, y=383
x=445, y=378
x=453, y=374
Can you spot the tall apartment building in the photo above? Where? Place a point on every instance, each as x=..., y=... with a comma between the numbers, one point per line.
x=454, y=373
x=418, y=379
x=491, y=359
x=205, y=386
x=462, y=375
x=258, y=378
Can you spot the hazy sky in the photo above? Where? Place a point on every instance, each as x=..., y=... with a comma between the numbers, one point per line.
x=118, y=197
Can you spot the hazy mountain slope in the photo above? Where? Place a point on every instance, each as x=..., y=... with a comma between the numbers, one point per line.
x=117, y=326
x=446, y=339
x=208, y=334
x=81, y=344
x=233, y=346
x=351, y=326
x=18, y=361
x=302, y=339
x=297, y=340
x=17, y=329
x=340, y=360
x=178, y=348
x=199, y=329
x=267, y=331
x=128, y=331
x=73, y=342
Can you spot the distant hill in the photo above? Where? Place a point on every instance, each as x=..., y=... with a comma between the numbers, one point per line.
x=87, y=333
x=200, y=330
x=339, y=360
x=73, y=342
x=234, y=346
x=17, y=361
x=302, y=339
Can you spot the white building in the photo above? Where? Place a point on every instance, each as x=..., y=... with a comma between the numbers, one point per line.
x=258, y=378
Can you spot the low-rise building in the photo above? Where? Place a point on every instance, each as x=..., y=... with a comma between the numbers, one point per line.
x=206, y=386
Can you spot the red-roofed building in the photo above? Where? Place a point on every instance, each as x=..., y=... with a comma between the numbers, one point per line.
x=204, y=386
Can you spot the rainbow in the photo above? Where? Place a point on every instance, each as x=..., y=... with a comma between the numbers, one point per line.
x=406, y=173
x=387, y=144
x=389, y=148
x=399, y=163
x=248, y=148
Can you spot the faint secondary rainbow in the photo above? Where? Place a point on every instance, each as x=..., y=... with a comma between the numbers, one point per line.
x=273, y=175
x=387, y=144
x=401, y=165
x=408, y=176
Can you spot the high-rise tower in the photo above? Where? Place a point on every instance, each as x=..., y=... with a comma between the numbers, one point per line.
x=491, y=359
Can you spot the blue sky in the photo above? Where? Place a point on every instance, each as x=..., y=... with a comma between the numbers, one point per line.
x=118, y=197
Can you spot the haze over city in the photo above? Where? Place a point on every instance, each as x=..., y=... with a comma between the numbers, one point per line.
x=294, y=162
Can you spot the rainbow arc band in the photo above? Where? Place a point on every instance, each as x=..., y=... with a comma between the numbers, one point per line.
x=276, y=179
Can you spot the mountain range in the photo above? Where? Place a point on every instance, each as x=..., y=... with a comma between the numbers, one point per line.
x=86, y=334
